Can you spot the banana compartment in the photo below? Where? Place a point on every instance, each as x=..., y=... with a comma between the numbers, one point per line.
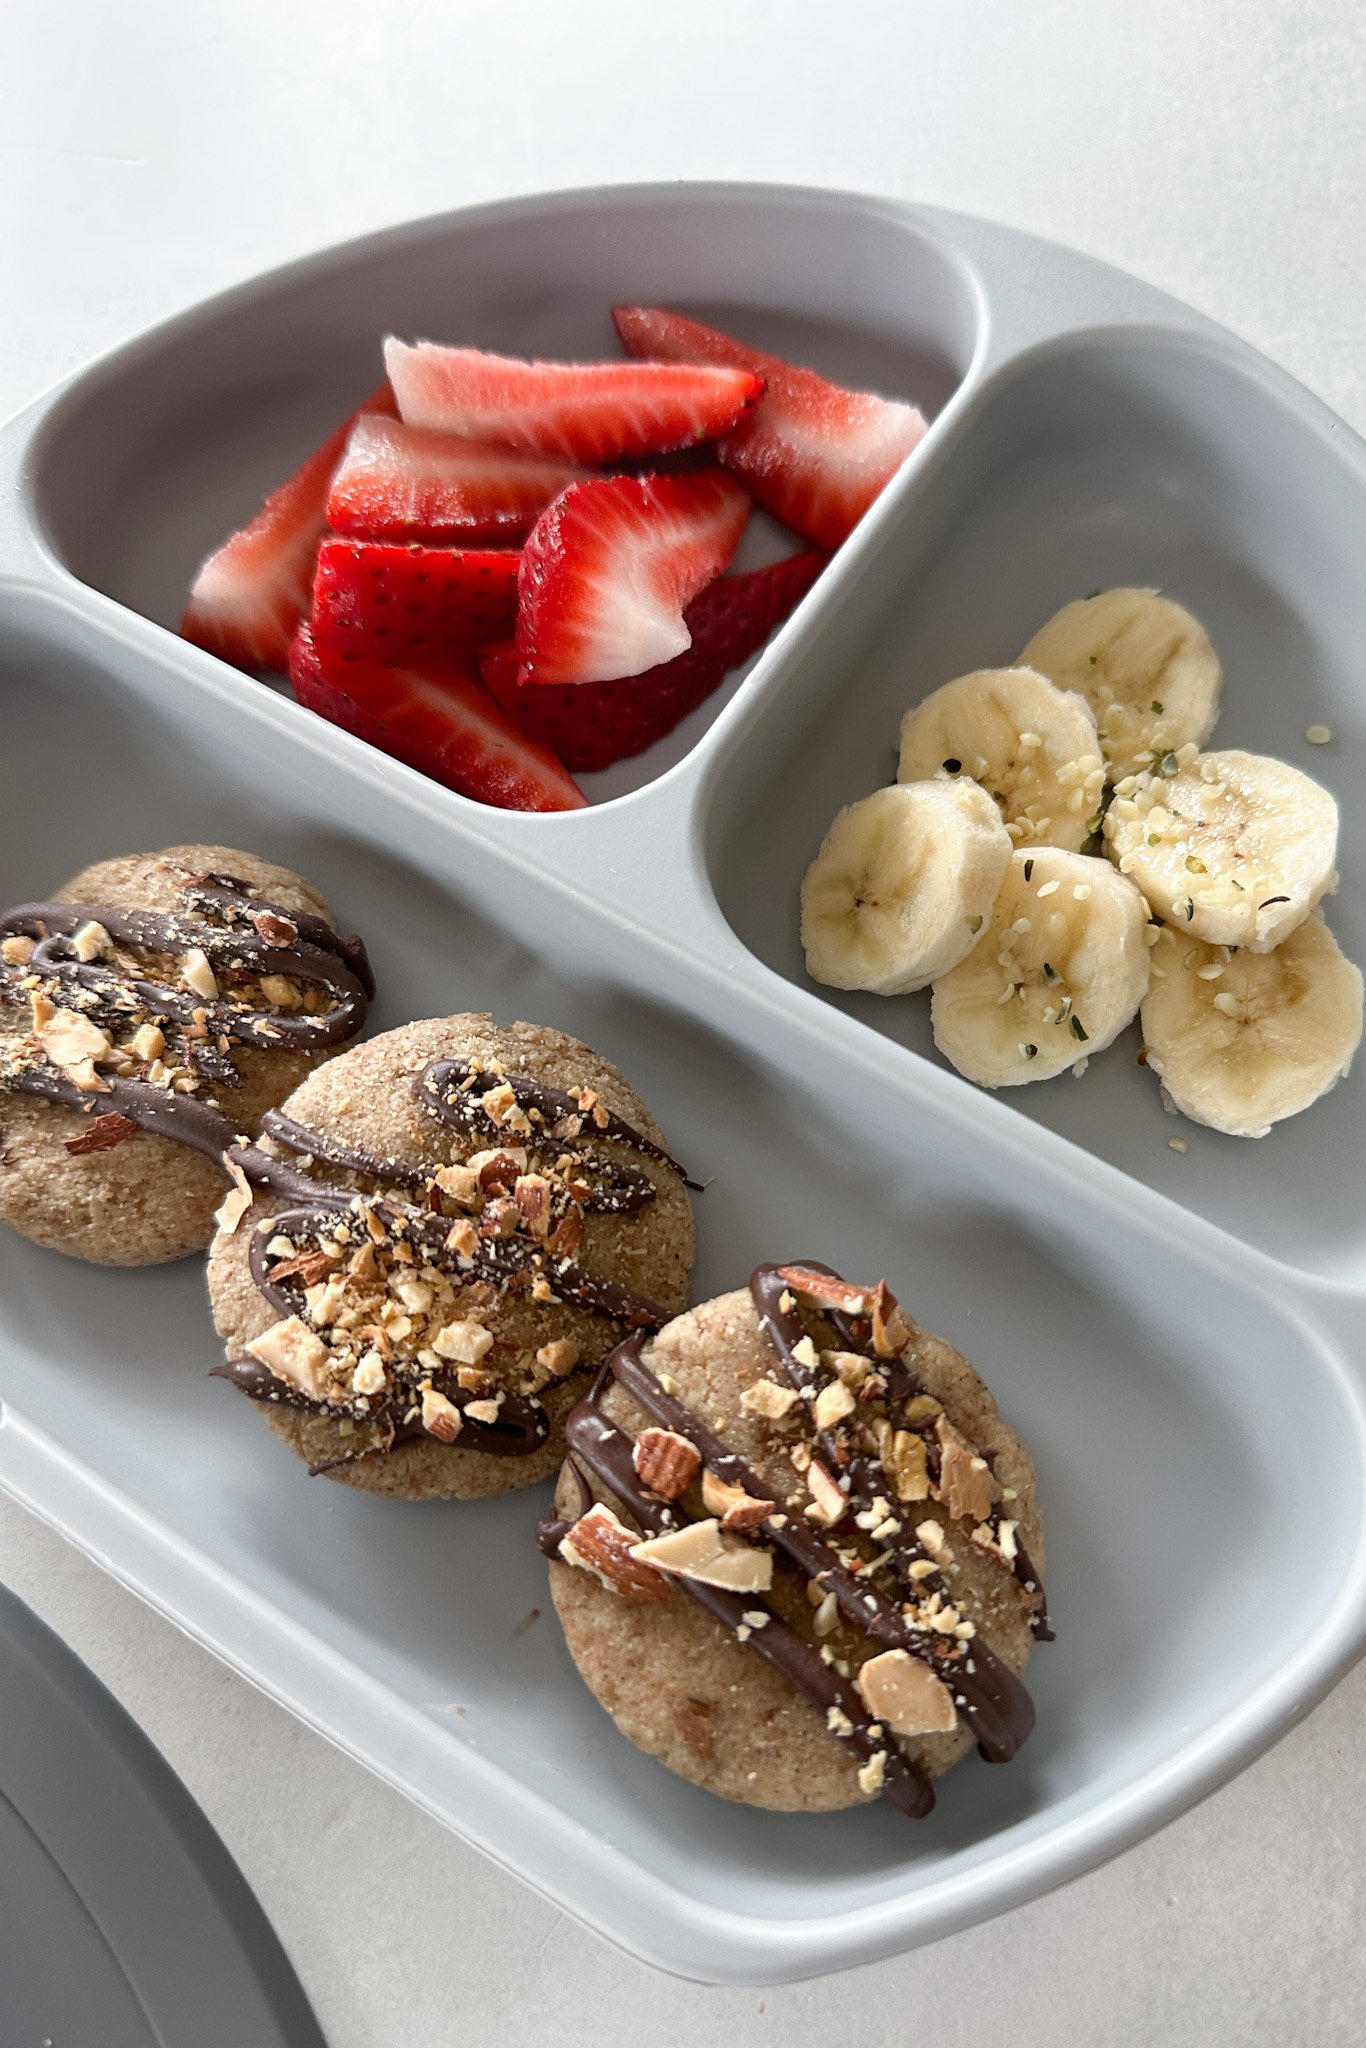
x=1140, y=1346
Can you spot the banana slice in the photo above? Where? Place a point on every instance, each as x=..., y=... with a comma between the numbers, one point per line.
x=1241, y=1040
x=1056, y=976
x=1031, y=745
x=1232, y=848
x=903, y=883
x=1146, y=667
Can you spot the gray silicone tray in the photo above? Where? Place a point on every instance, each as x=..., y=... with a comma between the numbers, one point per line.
x=126, y=1924
x=1174, y=1335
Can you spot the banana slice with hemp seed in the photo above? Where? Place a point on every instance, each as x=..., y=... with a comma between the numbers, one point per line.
x=1055, y=977
x=1232, y=848
x=1032, y=747
x=1144, y=664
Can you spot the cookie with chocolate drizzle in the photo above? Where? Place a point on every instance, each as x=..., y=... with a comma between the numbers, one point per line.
x=150, y=1013
x=796, y=1551
x=450, y=1226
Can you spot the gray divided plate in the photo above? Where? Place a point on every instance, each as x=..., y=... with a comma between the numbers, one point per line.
x=1177, y=1336
x=124, y=1922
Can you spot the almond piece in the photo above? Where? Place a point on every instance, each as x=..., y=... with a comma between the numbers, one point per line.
x=666, y=1463
x=833, y=1403
x=738, y=1510
x=197, y=974
x=699, y=1551
x=966, y=1485
x=558, y=1357
x=440, y=1417
x=827, y=1502
x=826, y=1290
x=461, y=1183
x=768, y=1399
x=295, y=1354
x=103, y=1133
x=904, y=1694
x=68, y=1038
x=368, y=1377
x=235, y=1203
x=600, y=1543
x=463, y=1342
x=276, y=931
x=905, y=1465
x=891, y=1326
x=531, y=1192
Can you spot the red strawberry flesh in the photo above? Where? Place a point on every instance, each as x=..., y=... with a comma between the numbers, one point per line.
x=437, y=721
x=251, y=592
x=609, y=568
x=407, y=483
x=814, y=454
x=588, y=413
x=591, y=725
x=379, y=601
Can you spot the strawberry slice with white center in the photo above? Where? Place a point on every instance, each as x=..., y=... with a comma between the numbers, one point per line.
x=252, y=591
x=814, y=454
x=591, y=725
x=609, y=568
x=377, y=601
x=588, y=413
x=407, y=483
x=438, y=721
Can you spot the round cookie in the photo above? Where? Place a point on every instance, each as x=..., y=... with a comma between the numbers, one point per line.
x=695, y=1689
x=112, y=1194
x=377, y=1101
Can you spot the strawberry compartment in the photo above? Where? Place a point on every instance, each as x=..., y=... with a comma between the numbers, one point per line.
x=401, y=1630
x=1147, y=459
x=152, y=457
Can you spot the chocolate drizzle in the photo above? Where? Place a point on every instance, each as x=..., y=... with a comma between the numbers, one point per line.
x=987, y=1694
x=452, y=1091
x=860, y=1475
x=240, y=935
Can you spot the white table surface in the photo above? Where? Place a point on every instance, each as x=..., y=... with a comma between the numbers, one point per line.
x=154, y=151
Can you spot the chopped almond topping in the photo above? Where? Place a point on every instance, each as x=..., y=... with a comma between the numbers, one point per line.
x=197, y=973
x=483, y=1410
x=966, y=1483
x=700, y=1551
x=295, y=1354
x=440, y=1417
x=558, y=1357
x=601, y=1544
x=904, y=1694
x=826, y=1290
x=738, y=1510
x=236, y=1202
x=103, y=1133
x=368, y=1377
x=906, y=1465
x=68, y=1038
x=463, y=1239
x=463, y=1342
x=148, y=1042
x=276, y=931
x=827, y=1502
x=832, y=1404
x=666, y=1463
x=768, y=1399
x=281, y=992
x=871, y=1777
x=90, y=941
x=891, y=1326
x=461, y=1183
x=16, y=950
x=531, y=1192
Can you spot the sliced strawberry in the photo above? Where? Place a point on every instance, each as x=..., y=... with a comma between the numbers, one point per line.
x=814, y=454
x=591, y=725
x=609, y=567
x=407, y=483
x=438, y=721
x=377, y=601
x=585, y=412
x=252, y=591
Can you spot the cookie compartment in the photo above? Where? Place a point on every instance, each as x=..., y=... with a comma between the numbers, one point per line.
x=149, y=459
x=1136, y=458
x=1140, y=1370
